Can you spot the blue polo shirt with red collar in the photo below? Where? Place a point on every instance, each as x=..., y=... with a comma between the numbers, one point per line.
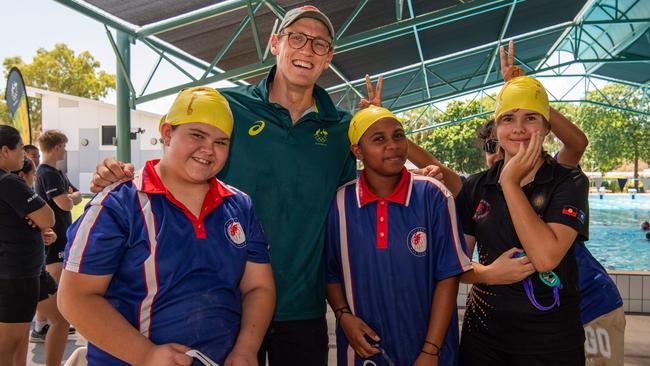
x=175, y=276
x=388, y=254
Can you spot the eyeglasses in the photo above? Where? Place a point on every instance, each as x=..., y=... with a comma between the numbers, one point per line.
x=490, y=146
x=298, y=40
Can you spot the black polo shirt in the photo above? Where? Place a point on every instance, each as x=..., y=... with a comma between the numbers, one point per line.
x=50, y=183
x=21, y=246
x=502, y=316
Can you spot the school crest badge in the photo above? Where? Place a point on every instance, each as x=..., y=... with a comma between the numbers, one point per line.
x=417, y=241
x=235, y=233
x=482, y=210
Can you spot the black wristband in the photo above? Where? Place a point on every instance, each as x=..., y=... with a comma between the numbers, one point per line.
x=433, y=344
x=343, y=313
x=431, y=354
x=338, y=313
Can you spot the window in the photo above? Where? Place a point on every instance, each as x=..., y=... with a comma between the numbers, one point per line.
x=109, y=133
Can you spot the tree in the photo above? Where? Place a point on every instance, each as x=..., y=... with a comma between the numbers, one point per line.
x=62, y=71
x=4, y=112
x=456, y=144
x=615, y=136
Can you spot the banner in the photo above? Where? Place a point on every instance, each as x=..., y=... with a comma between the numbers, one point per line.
x=18, y=104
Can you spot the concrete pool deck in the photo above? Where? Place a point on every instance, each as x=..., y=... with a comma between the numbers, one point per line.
x=637, y=342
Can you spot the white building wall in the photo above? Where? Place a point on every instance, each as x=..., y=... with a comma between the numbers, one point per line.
x=81, y=120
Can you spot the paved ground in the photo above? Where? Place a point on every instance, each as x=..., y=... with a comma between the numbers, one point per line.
x=637, y=343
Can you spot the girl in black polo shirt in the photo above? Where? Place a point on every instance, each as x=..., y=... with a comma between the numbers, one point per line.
x=21, y=249
x=526, y=206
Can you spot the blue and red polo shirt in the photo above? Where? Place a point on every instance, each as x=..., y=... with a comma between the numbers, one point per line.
x=175, y=276
x=598, y=292
x=388, y=254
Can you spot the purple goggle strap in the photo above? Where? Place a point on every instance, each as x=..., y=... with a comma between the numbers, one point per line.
x=528, y=286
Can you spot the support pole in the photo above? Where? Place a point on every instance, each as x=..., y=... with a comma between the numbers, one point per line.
x=123, y=108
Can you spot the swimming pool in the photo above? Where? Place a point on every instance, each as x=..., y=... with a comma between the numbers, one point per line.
x=615, y=237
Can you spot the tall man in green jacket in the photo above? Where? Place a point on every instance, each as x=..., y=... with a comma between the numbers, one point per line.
x=289, y=152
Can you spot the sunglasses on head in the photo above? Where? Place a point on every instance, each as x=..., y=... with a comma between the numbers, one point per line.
x=490, y=146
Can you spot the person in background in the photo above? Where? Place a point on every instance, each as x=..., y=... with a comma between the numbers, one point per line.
x=53, y=186
x=58, y=335
x=21, y=249
x=32, y=152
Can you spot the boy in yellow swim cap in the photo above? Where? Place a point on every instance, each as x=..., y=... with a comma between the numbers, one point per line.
x=173, y=263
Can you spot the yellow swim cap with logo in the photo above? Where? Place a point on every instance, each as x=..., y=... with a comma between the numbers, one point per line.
x=363, y=119
x=522, y=92
x=203, y=105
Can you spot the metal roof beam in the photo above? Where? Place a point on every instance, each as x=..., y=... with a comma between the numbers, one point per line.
x=190, y=17
x=277, y=10
x=230, y=41
x=457, y=55
x=399, y=5
x=256, y=35
x=587, y=7
x=408, y=85
x=462, y=92
x=345, y=79
x=100, y=15
x=151, y=74
x=122, y=63
x=582, y=20
x=504, y=29
x=424, y=21
x=442, y=79
x=614, y=21
x=116, y=23
x=243, y=72
x=425, y=78
x=350, y=19
x=171, y=62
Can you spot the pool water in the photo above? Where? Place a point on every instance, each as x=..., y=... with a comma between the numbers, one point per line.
x=615, y=235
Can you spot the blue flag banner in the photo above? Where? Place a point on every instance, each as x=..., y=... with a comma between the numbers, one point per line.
x=18, y=104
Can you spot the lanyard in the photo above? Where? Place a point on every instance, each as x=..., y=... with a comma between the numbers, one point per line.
x=550, y=279
x=528, y=286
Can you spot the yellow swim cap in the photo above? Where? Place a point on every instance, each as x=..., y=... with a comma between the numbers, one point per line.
x=365, y=118
x=522, y=92
x=200, y=104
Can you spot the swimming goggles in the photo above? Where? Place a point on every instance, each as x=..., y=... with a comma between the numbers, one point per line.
x=550, y=279
x=201, y=357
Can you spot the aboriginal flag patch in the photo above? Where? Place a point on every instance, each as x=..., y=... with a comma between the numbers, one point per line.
x=570, y=211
